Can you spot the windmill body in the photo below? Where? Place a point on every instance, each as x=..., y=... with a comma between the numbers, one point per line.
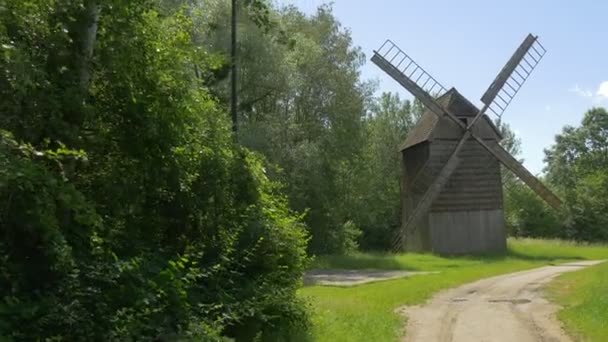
x=467, y=216
x=451, y=190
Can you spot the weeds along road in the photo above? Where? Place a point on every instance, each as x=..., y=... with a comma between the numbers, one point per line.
x=504, y=308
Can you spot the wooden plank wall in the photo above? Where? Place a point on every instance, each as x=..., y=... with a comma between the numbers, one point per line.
x=416, y=177
x=475, y=185
x=464, y=232
x=447, y=129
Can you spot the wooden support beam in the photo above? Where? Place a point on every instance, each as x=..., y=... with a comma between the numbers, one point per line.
x=507, y=70
x=521, y=172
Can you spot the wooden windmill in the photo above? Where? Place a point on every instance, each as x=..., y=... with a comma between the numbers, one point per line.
x=452, y=199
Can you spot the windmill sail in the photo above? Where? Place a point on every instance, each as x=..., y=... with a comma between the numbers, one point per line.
x=522, y=173
x=400, y=67
x=403, y=63
x=513, y=75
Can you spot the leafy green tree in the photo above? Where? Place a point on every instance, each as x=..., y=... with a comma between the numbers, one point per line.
x=528, y=215
x=577, y=165
x=378, y=211
x=128, y=212
x=302, y=105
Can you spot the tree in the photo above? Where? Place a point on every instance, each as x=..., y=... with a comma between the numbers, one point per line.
x=302, y=106
x=378, y=210
x=128, y=212
x=577, y=165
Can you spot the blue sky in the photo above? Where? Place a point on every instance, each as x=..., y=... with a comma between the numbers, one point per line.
x=465, y=43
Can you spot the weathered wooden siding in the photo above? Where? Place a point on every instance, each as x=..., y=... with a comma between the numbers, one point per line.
x=464, y=232
x=414, y=159
x=447, y=129
x=415, y=180
x=475, y=185
x=467, y=217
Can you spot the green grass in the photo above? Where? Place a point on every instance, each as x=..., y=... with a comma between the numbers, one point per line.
x=584, y=297
x=367, y=312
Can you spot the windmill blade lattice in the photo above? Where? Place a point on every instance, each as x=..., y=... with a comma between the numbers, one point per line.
x=513, y=75
x=408, y=67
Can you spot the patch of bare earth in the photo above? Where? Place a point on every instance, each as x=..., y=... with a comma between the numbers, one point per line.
x=509, y=307
x=353, y=277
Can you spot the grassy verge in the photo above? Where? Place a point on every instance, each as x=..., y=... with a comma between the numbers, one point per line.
x=584, y=297
x=366, y=312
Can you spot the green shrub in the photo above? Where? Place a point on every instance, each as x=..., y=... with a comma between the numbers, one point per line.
x=151, y=224
x=527, y=215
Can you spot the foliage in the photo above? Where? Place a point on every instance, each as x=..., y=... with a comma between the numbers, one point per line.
x=387, y=125
x=528, y=215
x=302, y=105
x=577, y=165
x=577, y=169
x=127, y=211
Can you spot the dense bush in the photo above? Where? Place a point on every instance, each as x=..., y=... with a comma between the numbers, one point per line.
x=128, y=213
x=527, y=215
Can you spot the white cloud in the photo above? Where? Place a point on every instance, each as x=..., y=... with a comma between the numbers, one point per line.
x=597, y=97
x=603, y=90
x=580, y=91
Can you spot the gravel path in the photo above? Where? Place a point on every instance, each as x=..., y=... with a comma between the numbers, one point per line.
x=504, y=308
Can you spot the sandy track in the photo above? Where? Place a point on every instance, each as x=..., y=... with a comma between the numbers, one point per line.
x=504, y=308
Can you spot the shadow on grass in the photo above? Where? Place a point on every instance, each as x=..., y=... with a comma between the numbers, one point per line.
x=546, y=257
x=516, y=255
x=425, y=262
x=383, y=261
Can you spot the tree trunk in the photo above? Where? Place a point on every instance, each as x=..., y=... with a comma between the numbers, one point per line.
x=88, y=38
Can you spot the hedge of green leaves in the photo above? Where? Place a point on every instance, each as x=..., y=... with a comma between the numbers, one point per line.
x=126, y=210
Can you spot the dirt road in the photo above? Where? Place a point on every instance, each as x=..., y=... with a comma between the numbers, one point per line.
x=504, y=308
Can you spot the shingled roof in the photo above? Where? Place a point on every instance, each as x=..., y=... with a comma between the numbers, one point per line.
x=456, y=104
